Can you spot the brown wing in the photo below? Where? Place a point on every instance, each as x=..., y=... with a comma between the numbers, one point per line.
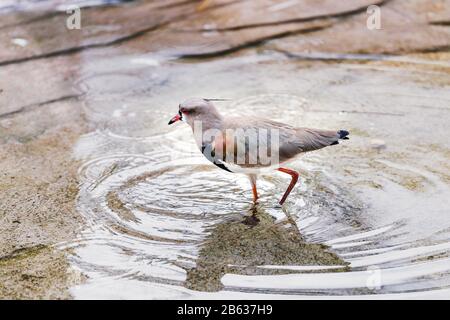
x=292, y=141
x=313, y=139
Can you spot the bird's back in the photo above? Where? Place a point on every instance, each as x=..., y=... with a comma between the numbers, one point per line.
x=289, y=141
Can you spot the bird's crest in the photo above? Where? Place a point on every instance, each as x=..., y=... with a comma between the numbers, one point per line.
x=216, y=99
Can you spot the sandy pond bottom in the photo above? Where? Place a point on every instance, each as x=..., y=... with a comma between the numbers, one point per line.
x=164, y=223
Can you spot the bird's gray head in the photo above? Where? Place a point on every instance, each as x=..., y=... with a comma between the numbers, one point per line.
x=196, y=109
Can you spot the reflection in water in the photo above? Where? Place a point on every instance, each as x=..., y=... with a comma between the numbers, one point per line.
x=164, y=223
x=244, y=245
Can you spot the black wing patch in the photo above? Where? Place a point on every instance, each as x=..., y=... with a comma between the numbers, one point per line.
x=209, y=154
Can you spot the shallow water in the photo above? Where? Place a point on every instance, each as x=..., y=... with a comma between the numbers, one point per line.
x=163, y=222
x=61, y=5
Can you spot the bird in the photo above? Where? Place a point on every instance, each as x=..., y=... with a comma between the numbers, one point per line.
x=283, y=141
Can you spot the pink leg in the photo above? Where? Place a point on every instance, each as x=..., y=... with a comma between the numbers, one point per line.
x=294, y=176
x=255, y=192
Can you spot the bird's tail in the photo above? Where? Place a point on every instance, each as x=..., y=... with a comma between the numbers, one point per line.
x=343, y=135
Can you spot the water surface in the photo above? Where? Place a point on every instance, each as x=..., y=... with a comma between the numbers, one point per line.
x=165, y=223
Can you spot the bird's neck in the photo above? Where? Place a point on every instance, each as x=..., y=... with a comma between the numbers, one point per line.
x=205, y=129
x=213, y=120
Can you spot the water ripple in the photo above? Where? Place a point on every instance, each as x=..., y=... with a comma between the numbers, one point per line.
x=162, y=222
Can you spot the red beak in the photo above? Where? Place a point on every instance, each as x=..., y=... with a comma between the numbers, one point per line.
x=175, y=119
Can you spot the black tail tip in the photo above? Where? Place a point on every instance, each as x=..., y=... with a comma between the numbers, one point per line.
x=343, y=134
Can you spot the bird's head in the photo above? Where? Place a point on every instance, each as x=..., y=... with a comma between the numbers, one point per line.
x=196, y=109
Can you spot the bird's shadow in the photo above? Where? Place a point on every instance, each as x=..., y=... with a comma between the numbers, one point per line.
x=242, y=244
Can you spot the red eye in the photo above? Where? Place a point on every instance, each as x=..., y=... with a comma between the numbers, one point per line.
x=184, y=110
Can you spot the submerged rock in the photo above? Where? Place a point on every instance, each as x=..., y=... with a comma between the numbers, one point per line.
x=226, y=26
x=239, y=247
